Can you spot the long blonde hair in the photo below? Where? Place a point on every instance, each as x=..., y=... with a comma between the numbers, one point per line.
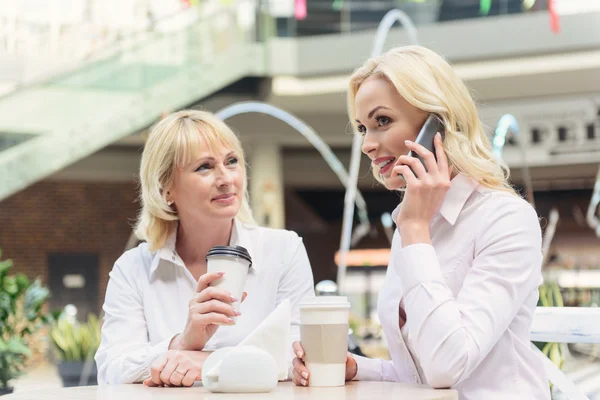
x=174, y=142
x=429, y=83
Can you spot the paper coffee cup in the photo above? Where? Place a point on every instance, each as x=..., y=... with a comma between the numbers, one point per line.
x=324, y=337
x=235, y=261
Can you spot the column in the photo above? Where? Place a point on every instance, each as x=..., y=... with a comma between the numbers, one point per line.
x=265, y=181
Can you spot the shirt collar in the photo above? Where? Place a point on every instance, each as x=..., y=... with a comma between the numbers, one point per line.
x=241, y=235
x=461, y=188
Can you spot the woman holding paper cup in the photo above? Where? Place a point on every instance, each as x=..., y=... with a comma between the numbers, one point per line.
x=462, y=284
x=182, y=293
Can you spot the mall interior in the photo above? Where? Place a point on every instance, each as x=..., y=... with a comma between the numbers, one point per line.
x=83, y=81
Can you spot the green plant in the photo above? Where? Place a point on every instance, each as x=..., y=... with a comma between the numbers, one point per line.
x=74, y=341
x=21, y=315
x=550, y=296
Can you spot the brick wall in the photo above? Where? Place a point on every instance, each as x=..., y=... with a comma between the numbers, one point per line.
x=65, y=217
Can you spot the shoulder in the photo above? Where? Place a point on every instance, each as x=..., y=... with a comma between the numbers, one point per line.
x=272, y=236
x=502, y=205
x=135, y=261
x=505, y=215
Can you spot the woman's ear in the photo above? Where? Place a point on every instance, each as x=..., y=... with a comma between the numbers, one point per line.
x=169, y=198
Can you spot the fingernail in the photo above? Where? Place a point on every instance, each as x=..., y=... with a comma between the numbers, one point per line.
x=231, y=320
x=408, y=141
x=220, y=273
x=303, y=382
x=305, y=375
x=299, y=354
x=234, y=299
x=237, y=313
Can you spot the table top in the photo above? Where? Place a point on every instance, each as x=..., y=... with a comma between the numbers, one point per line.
x=284, y=390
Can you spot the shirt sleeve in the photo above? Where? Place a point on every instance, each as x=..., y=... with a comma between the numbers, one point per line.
x=125, y=354
x=451, y=336
x=375, y=369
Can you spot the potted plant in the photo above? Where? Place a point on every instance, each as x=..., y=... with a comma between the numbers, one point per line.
x=550, y=296
x=75, y=345
x=21, y=315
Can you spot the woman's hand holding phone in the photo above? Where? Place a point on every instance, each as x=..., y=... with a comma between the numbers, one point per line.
x=425, y=190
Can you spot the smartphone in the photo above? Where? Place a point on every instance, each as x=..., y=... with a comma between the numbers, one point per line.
x=425, y=138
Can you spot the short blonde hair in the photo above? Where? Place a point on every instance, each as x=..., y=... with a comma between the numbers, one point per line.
x=428, y=82
x=175, y=141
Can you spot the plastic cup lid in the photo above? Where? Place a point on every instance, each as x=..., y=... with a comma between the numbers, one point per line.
x=325, y=302
x=234, y=251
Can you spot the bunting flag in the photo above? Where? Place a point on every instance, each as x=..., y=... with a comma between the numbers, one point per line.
x=554, y=19
x=484, y=6
x=300, y=9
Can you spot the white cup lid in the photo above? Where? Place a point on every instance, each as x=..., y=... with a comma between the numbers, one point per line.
x=325, y=302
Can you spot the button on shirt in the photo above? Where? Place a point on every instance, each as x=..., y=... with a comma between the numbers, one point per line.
x=148, y=294
x=469, y=299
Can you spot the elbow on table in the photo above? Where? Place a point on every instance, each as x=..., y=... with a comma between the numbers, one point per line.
x=443, y=375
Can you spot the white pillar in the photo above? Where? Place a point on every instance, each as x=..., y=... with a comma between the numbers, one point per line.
x=266, y=185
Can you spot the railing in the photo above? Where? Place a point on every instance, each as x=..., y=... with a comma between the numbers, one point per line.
x=345, y=16
x=37, y=45
x=564, y=325
x=119, y=92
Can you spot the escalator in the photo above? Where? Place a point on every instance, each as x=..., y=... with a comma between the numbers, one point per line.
x=49, y=125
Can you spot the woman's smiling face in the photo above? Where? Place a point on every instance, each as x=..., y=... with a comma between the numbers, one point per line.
x=386, y=120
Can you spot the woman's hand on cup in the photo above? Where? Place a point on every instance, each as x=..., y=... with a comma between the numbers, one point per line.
x=177, y=368
x=301, y=374
x=210, y=308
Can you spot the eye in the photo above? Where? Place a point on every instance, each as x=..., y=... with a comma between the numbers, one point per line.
x=361, y=129
x=382, y=121
x=232, y=161
x=203, y=167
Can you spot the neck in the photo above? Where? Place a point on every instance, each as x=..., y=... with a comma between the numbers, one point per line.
x=193, y=242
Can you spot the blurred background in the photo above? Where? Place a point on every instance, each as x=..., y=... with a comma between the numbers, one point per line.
x=81, y=81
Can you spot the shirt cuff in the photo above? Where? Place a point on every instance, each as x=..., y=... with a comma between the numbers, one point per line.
x=416, y=264
x=368, y=369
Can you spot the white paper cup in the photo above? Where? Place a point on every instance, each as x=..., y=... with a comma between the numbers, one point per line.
x=324, y=337
x=235, y=261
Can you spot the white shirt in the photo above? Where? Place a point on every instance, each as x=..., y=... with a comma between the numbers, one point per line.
x=469, y=299
x=148, y=295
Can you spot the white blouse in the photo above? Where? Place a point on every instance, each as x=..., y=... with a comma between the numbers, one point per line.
x=148, y=294
x=469, y=299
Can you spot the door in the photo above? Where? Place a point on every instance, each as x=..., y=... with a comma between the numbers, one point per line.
x=73, y=279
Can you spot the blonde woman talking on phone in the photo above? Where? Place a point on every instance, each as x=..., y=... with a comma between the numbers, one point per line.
x=462, y=283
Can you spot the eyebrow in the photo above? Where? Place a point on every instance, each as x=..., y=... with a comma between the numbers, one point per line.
x=211, y=158
x=373, y=111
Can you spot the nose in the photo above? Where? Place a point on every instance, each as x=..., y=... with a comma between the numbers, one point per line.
x=224, y=176
x=369, y=145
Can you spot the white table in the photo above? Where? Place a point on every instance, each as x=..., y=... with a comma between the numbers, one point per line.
x=285, y=390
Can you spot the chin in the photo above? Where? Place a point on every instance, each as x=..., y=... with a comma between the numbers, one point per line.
x=395, y=183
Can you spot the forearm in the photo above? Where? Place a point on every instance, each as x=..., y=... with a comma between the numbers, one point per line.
x=119, y=364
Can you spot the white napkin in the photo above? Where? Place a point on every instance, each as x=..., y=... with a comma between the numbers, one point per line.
x=273, y=335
